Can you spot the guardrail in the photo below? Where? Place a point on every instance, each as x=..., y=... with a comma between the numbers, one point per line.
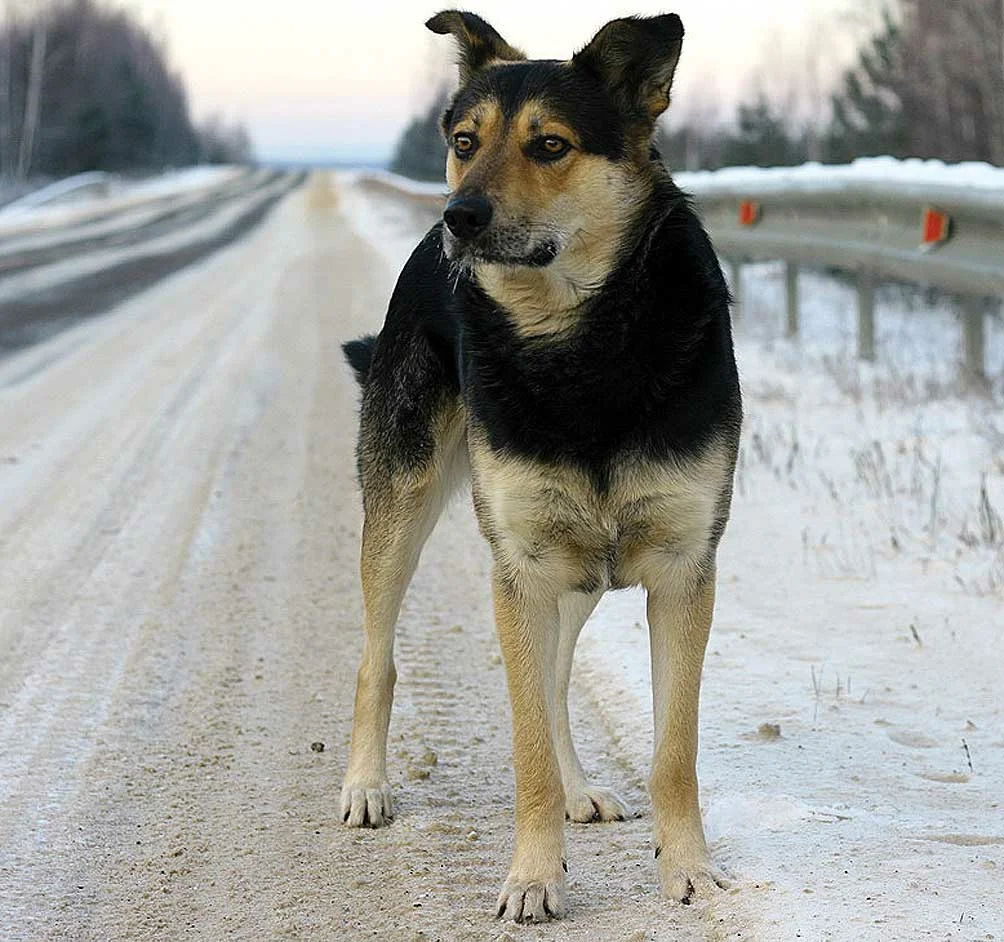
x=92, y=183
x=910, y=221
x=940, y=226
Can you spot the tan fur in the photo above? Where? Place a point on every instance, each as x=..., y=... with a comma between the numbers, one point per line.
x=557, y=538
x=527, y=622
x=583, y=801
x=587, y=198
x=679, y=618
x=401, y=510
x=551, y=531
x=654, y=523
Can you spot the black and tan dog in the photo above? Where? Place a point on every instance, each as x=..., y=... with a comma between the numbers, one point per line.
x=563, y=338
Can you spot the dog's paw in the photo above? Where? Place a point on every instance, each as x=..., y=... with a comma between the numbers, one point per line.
x=595, y=803
x=688, y=880
x=532, y=899
x=367, y=805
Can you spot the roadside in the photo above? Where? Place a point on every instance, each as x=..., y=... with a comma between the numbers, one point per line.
x=852, y=742
x=180, y=619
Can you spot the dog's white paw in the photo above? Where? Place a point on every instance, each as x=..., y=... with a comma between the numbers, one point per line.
x=595, y=803
x=367, y=804
x=532, y=899
x=688, y=880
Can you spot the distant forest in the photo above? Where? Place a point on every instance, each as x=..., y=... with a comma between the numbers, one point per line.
x=928, y=83
x=85, y=86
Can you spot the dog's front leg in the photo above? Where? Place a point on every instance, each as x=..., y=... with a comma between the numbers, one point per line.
x=528, y=628
x=679, y=618
x=583, y=801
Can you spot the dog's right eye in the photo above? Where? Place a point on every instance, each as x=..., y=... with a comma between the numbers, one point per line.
x=464, y=145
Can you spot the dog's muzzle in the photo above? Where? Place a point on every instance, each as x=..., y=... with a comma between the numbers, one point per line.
x=468, y=216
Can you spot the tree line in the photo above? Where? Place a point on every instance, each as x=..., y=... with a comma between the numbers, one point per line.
x=84, y=86
x=928, y=83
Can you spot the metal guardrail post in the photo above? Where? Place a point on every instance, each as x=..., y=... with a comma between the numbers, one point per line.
x=736, y=284
x=866, y=315
x=974, y=339
x=791, y=298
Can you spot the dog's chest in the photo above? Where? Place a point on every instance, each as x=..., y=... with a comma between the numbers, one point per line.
x=551, y=521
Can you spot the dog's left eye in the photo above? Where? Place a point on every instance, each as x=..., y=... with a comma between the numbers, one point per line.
x=464, y=145
x=549, y=148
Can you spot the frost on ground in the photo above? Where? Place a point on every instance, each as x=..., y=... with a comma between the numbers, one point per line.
x=852, y=750
x=852, y=743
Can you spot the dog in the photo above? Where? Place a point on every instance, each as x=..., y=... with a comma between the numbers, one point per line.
x=562, y=338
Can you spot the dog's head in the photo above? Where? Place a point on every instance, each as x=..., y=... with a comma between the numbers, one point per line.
x=548, y=160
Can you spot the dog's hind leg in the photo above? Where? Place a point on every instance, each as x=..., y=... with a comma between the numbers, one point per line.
x=401, y=505
x=583, y=802
x=679, y=618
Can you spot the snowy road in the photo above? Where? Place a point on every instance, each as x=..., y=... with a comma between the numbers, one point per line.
x=59, y=264
x=179, y=623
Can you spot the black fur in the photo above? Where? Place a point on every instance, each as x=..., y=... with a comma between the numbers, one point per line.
x=648, y=371
x=576, y=95
x=359, y=353
x=412, y=370
x=477, y=41
x=635, y=58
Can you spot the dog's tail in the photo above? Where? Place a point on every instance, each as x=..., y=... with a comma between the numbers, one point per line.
x=359, y=354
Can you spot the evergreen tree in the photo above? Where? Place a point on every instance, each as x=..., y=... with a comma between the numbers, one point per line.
x=421, y=150
x=108, y=98
x=762, y=138
x=868, y=112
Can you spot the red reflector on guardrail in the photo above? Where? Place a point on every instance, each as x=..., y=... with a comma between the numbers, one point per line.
x=749, y=213
x=935, y=226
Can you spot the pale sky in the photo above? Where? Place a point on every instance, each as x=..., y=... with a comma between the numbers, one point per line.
x=326, y=79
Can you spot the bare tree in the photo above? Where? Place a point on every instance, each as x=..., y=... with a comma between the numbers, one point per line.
x=953, y=83
x=85, y=86
x=6, y=134
x=33, y=103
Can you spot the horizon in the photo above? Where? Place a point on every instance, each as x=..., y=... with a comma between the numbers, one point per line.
x=321, y=86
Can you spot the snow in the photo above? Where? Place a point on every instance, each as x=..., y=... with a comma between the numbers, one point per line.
x=32, y=213
x=76, y=187
x=181, y=181
x=42, y=277
x=887, y=172
x=860, y=612
x=404, y=184
x=860, y=609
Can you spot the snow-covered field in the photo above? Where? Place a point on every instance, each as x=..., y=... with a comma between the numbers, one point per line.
x=853, y=750
x=852, y=760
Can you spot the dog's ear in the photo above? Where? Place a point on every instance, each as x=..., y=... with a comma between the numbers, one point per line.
x=478, y=42
x=636, y=58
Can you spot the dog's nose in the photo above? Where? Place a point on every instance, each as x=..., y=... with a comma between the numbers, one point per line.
x=467, y=216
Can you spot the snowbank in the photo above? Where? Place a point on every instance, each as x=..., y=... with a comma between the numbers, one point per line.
x=46, y=209
x=887, y=172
